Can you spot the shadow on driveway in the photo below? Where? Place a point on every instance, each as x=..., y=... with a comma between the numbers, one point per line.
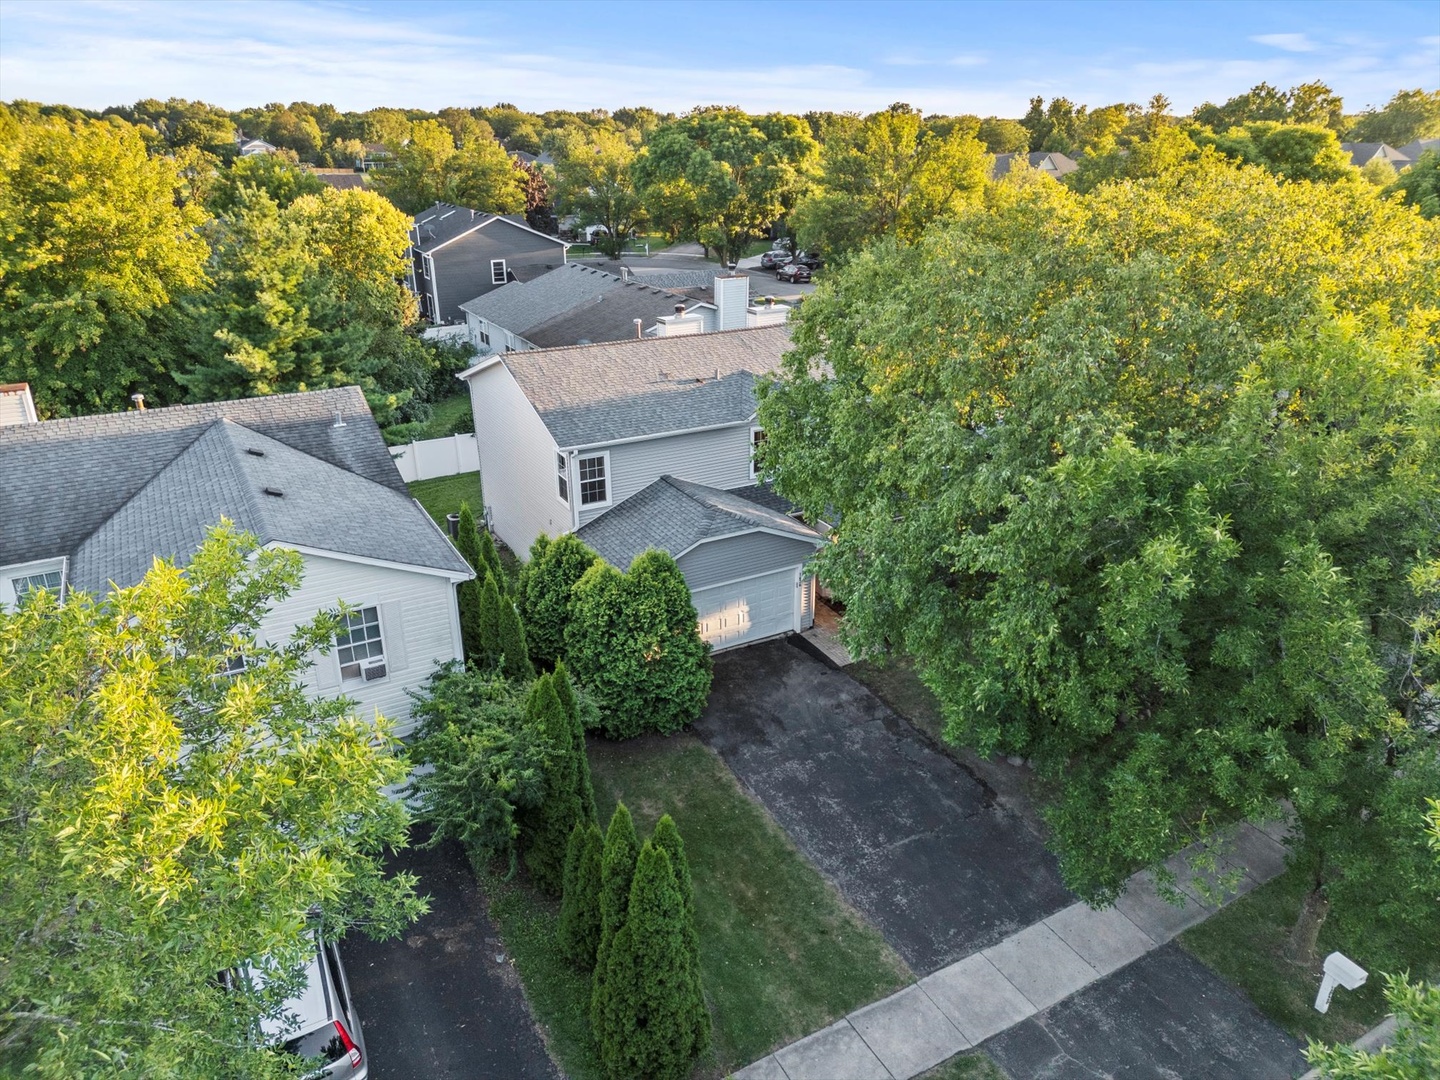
x=909, y=837
x=434, y=1003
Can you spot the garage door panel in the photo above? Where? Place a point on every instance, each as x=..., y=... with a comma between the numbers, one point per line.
x=742, y=611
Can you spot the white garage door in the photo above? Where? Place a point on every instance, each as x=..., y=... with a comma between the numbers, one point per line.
x=749, y=610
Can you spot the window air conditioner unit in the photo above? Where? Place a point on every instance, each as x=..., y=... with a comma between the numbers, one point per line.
x=375, y=671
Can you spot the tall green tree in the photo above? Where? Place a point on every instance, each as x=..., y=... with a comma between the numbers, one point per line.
x=667, y=837
x=633, y=642
x=468, y=540
x=580, y=910
x=550, y=577
x=95, y=244
x=617, y=872
x=744, y=172
x=1419, y=185
x=1409, y=115
x=195, y=827
x=514, y=653
x=1291, y=151
x=888, y=176
x=593, y=180
x=279, y=177
x=584, y=787
x=1135, y=511
x=489, y=621
x=646, y=1026
x=549, y=827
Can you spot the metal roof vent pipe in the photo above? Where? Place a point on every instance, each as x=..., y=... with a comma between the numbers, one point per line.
x=339, y=419
x=679, y=309
x=639, y=323
x=624, y=273
x=139, y=400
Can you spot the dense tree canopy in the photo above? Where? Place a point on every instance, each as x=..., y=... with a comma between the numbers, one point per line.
x=1139, y=480
x=180, y=836
x=1409, y=115
x=594, y=182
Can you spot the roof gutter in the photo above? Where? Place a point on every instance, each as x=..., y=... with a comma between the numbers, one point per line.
x=658, y=435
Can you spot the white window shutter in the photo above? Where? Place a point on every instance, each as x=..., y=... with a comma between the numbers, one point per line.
x=327, y=672
x=392, y=627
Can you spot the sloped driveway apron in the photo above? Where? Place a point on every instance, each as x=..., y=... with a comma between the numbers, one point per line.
x=911, y=838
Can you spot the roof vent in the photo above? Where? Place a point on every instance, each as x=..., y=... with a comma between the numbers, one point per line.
x=339, y=419
x=139, y=400
x=679, y=309
x=254, y=452
x=273, y=492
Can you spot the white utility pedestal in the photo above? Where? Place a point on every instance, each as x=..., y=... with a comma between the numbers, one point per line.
x=1340, y=970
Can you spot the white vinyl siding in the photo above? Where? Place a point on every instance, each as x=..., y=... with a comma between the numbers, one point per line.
x=718, y=458
x=417, y=623
x=740, y=556
x=741, y=612
x=517, y=461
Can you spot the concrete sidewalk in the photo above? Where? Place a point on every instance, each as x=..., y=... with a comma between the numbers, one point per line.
x=989, y=991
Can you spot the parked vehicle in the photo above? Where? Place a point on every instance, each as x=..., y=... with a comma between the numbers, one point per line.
x=811, y=259
x=774, y=259
x=795, y=271
x=320, y=1023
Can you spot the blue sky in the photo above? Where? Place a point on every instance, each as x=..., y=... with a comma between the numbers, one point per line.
x=986, y=58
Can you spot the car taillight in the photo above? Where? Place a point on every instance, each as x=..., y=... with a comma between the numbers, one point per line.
x=350, y=1048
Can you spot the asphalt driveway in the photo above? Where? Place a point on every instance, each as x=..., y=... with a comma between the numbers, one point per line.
x=435, y=1003
x=1166, y=1015
x=914, y=841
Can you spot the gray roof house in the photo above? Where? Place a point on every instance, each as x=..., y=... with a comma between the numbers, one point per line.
x=306, y=472
x=578, y=304
x=1051, y=163
x=650, y=443
x=1411, y=151
x=1362, y=153
x=457, y=254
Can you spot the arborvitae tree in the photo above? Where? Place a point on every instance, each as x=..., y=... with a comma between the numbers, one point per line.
x=467, y=542
x=667, y=836
x=485, y=546
x=514, y=655
x=551, y=576
x=580, y=910
x=470, y=633
x=550, y=825
x=617, y=871
x=583, y=786
x=646, y=1028
x=489, y=621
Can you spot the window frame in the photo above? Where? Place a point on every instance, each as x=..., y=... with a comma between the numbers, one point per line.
x=11, y=595
x=606, y=478
x=756, y=429
x=502, y=276
x=358, y=679
x=562, y=476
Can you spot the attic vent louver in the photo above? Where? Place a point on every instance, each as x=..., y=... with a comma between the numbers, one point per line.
x=253, y=452
x=273, y=492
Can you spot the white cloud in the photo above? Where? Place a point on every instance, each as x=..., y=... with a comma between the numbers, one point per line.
x=966, y=60
x=1299, y=43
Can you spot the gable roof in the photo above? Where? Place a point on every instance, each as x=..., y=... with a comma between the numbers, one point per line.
x=675, y=515
x=444, y=222
x=1362, y=153
x=69, y=481
x=571, y=305
x=1050, y=162
x=1411, y=151
x=591, y=395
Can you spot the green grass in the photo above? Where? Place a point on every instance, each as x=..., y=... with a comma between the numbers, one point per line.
x=444, y=494
x=451, y=416
x=782, y=955
x=972, y=1065
x=1244, y=941
x=558, y=994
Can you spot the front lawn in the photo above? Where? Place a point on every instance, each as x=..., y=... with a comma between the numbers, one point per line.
x=782, y=955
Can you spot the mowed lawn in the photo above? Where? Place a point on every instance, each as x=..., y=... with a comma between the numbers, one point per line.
x=782, y=955
x=444, y=495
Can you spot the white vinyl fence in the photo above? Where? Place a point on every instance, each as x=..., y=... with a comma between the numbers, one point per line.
x=430, y=458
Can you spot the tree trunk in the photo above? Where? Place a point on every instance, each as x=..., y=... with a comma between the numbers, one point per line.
x=1300, y=949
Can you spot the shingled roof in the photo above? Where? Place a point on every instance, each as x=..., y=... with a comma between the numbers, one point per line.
x=444, y=222
x=674, y=515
x=589, y=395
x=113, y=491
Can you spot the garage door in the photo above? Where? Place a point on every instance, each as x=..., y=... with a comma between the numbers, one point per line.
x=744, y=611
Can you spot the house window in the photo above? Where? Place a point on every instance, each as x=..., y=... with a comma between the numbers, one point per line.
x=757, y=439
x=497, y=271
x=594, y=485
x=562, y=470
x=29, y=583
x=359, y=647
x=484, y=338
x=232, y=665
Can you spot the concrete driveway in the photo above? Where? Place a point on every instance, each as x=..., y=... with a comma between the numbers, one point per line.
x=1166, y=1015
x=435, y=1003
x=910, y=838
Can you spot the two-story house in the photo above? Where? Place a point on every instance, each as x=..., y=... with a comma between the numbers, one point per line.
x=457, y=254
x=308, y=472
x=583, y=305
x=650, y=443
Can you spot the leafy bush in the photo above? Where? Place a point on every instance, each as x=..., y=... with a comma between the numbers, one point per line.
x=555, y=567
x=489, y=763
x=633, y=643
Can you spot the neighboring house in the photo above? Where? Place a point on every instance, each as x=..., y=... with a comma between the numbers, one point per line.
x=1362, y=153
x=532, y=159
x=578, y=304
x=340, y=179
x=457, y=254
x=373, y=156
x=650, y=443
x=251, y=147
x=1411, y=151
x=16, y=404
x=1051, y=164
x=95, y=499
